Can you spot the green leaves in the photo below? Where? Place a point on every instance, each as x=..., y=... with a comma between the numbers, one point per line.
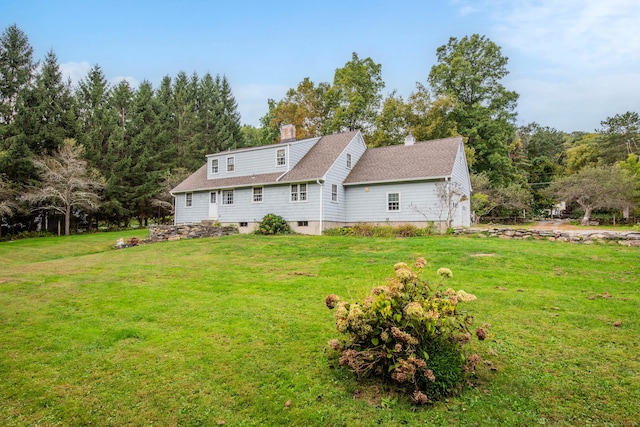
x=407, y=332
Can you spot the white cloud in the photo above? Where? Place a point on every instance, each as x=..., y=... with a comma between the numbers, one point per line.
x=76, y=71
x=576, y=105
x=133, y=82
x=577, y=62
x=592, y=33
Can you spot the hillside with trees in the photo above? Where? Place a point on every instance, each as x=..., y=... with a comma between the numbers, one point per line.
x=133, y=144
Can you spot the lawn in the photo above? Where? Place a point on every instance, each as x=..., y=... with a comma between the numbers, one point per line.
x=226, y=331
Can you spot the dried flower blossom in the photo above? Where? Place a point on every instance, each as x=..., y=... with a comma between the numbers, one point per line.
x=473, y=360
x=334, y=344
x=331, y=300
x=414, y=310
x=405, y=275
x=420, y=263
x=428, y=374
x=481, y=334
x=420, y=398
x=400, y=265
x=463, y=296
x=445, y=273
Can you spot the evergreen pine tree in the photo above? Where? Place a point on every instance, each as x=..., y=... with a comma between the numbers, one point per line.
x=96, y=119
x=47, y=112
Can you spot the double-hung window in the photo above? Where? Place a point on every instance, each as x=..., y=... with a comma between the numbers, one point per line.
x=298, y=192
x=334, y=192
x=214, y=165
x=188, y=199
x=227, y=197
x=257, y=194
x=348, y=161
x=393, y=202
x=231, y=164
x=281, y=157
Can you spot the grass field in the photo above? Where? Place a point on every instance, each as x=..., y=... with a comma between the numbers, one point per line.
x=227, y=330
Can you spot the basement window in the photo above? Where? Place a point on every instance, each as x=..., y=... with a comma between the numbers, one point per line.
x=303, y=223
x=244, y=224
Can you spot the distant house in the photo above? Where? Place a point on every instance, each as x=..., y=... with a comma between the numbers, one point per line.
x=330, y=181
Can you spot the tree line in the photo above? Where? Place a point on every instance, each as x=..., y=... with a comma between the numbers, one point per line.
x=128, y=146
x=135, y=143
x=516, y=171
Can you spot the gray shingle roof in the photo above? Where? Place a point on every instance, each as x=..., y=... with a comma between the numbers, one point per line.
x=423, y=160
x=315, y=164
x=198, y=181
x=311, y=167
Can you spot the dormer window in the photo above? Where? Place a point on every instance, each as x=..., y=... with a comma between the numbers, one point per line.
x=231, y=164
x=214, y=165
x=281, y=157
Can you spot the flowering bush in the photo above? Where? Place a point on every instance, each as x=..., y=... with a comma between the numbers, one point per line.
x=408, y=332
x=273, y=224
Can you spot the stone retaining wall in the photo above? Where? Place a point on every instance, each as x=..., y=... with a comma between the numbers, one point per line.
x=160, y=233
x=627, y=238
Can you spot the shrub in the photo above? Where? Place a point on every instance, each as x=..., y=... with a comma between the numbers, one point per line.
x=363, y=230
x=408, y=333
x=273, y=224
x=369, y=230
x=407, y=230
x=338, y=231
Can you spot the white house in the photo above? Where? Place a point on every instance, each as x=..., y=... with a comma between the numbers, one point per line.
x=330, y=181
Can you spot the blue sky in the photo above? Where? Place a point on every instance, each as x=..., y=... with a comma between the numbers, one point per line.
x=573, y=62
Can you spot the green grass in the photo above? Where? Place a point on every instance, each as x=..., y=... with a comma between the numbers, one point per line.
x=227, y=330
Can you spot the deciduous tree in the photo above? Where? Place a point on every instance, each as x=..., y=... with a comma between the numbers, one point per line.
x=620, y=136
x=354, y=97
x=470, y=71
x=596, y=188
x=66, y=183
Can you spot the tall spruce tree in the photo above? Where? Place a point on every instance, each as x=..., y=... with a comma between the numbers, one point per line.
x=47, y=112
x=203, y=141
x=144, y=178
x=117, y=160
x=227, y=127
x=96, y=119
x=183, y=109
x=16, y=71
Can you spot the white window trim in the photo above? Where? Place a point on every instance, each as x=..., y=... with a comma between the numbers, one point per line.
x=399, y=201
x=283, y=157
x=186, y=200
x=217, y=166
x=298, y=192
x=233, y=164
x=336, y=193
x=349, y=161
x=253, y=195
x=224, y=199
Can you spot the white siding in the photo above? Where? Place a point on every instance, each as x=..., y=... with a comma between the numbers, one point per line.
x=460, y=176
x=195, y=213
x=259, y=160
x=276, y=200
x=418, y=202
x=337, y=173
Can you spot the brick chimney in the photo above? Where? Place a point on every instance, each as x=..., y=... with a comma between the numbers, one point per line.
x=287, y=133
